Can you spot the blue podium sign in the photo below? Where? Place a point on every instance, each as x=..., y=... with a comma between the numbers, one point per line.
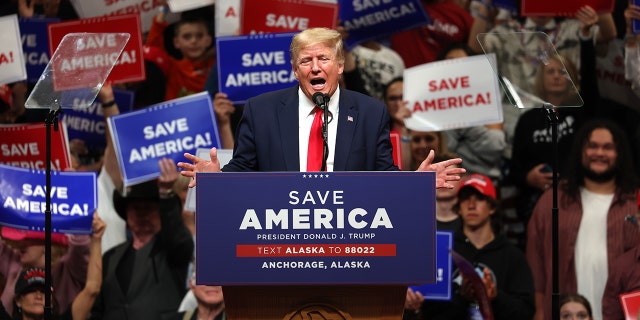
x=315, y=228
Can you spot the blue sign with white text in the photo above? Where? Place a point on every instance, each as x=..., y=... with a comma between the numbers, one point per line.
x=35, y=45
x=315, y=228
x=74, y=198
x=165, y=130
x=366, y=20
x=88, y=124
x=441, y=289
x=254, y=64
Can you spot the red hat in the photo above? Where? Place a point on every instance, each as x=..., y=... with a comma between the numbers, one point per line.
x=158, y=56
x=481, y=183
x=19, y=234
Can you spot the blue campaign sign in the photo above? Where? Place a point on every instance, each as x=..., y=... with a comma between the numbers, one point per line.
x=366, y=20
x=88, y=124
x=35, y=45
x=74, y=198
x=509, y=5
x=441, y=289
x=254, y=64
x=315, y=228
x=165, y=130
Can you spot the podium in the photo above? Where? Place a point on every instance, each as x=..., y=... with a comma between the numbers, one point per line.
x=329, y=245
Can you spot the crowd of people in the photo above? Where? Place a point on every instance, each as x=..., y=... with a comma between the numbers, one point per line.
x=494, y=182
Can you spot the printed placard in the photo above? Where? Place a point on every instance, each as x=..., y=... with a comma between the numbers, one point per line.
x=74, y=198
x=24, y=145
x=35, y=45
x=184, y=5
x=88, y=123
x=255, y=64
x=12, y=66
x=271, y=16
x=563, y=8
x=145, y=9
x=452, y=94
x=441, y=289
x=396, y=144
x=630, y=303
x=227, y=18
x=365, y=20
x=509, y=5
x=165, y=130
x=315, y=228
x=98, y=50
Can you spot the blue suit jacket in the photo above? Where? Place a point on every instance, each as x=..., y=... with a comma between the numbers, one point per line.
x=267, y=135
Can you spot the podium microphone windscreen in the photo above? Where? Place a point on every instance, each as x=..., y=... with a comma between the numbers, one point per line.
x=320, y=99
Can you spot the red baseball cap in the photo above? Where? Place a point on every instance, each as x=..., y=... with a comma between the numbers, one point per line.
x=481, y=183
x=8, y=233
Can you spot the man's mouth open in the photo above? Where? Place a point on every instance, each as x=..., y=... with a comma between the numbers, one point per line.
x=318, y=84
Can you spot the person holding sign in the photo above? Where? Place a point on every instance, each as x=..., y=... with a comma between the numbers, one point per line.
x=362, y=122
x=143, y=278
x=23, y=248
x=189, y=74
x=502, y=266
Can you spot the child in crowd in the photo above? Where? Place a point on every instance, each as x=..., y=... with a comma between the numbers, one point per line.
x=191, y=38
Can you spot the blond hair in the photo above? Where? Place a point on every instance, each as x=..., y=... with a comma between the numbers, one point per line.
x=570, y=69
x=314, y=36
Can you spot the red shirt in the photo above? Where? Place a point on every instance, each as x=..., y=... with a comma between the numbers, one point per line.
x=184, y=76
x=450, y=23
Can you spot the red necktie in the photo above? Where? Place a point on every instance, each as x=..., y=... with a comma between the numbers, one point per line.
x=316, y=145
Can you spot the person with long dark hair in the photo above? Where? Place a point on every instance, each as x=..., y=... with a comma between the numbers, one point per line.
x=599, y=192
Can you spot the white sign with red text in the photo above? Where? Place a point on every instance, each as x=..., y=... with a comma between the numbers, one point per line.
x=184, y=5
x=452, y=94
x=227, y=18
x=228, y=13
x=147, y=9
x=12, y=65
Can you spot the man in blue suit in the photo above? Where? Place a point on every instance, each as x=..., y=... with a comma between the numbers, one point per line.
x=273, y=134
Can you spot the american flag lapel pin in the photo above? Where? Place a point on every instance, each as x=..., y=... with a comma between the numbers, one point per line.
x=349, y=119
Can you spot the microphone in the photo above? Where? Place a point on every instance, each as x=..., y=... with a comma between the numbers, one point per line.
x=321, y=99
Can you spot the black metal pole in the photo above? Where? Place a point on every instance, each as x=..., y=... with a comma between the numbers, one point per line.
x=552, y=115
x=51, y=119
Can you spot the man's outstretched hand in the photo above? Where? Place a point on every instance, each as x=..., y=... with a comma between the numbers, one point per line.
x=446, y=171
x=199, y=165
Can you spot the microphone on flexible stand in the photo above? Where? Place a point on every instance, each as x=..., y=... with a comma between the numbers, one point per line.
x=322, y=101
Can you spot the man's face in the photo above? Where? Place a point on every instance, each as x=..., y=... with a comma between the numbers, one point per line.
x=599, y=156
x=475, y=210
x=143, y=218
x=317, y=70
x=209, y=295
x=192, y=39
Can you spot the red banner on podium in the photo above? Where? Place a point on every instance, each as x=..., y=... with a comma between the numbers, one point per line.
x=272, y=16
x=563, y=8
x=97, y=52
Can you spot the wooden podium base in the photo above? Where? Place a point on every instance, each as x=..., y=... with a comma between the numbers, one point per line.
x=310, y=302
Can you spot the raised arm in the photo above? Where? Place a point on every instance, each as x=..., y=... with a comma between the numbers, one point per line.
x=82, y=304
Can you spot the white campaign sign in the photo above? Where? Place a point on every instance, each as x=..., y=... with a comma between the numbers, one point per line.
x=227, y=17
x=184, y=5
x=98, y=8
x=12, y=64
x=452, y=94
